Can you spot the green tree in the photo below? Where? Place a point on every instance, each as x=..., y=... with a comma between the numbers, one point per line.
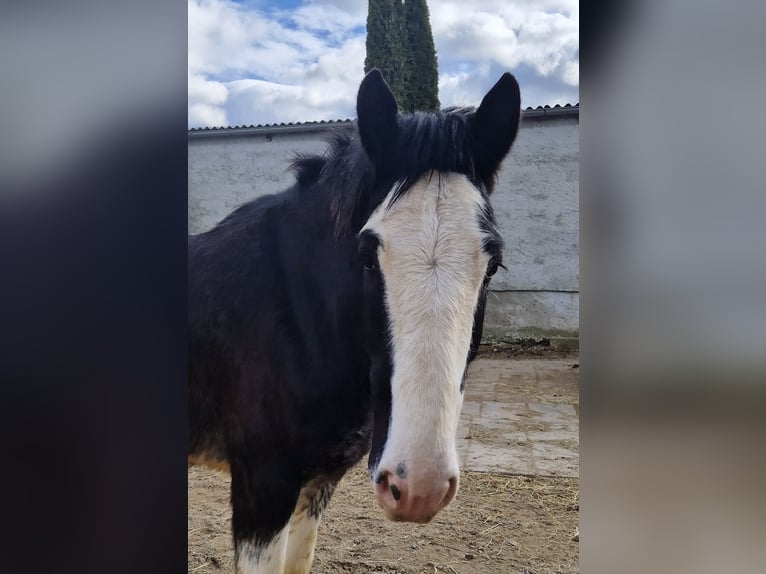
x=420, y=68
x=400, y=43
x=385, y=47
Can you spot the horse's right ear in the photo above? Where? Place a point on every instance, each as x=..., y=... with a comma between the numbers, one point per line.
x=376, y=110
x=495, y=124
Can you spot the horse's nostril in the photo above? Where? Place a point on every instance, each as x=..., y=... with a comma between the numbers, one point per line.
x=396, y=492
x=451, y=490
x=381, y=477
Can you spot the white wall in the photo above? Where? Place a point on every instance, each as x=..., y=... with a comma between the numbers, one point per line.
x=536, y=204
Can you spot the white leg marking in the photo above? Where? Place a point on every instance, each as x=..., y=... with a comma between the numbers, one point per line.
x=303, y=526
x=301, y=543
x=266, y=559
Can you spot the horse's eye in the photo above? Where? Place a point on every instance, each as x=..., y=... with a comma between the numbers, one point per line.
x=492, y=266
x=367, y=251
x=369, y=261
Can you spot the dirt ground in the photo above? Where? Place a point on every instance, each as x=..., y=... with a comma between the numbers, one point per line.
x=524, y=349
x=496, y=524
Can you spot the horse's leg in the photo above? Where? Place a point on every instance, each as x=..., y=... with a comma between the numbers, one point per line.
x=262, y=503
x=314, y=497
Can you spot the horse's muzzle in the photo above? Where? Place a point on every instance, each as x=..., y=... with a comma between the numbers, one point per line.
x=410, y=499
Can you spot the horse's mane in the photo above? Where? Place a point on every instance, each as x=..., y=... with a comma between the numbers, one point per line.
x=426, y=142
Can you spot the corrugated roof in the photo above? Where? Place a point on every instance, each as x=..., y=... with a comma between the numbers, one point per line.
x=282, y=124
x=287, y=127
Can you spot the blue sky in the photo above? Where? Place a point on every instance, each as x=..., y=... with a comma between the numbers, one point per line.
x=268, y=61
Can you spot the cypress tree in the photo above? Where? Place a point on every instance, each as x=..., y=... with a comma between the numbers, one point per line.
x=420, y=69
x=400, y=43
x=384, y=43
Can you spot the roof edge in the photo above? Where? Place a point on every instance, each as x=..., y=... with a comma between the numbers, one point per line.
x=540, y=112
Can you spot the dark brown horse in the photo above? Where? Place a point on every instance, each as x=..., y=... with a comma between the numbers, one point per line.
x=338, y=317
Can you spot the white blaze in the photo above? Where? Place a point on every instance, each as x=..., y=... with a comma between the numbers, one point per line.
x=433, y=265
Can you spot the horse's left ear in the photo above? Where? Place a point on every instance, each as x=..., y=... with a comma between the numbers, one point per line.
x=495, y=124
x=376, y=110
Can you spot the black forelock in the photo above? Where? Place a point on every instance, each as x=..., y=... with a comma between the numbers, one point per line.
x=426, y=142
x=439, y=142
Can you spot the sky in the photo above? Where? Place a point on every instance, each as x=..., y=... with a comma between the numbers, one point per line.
x=272, y=61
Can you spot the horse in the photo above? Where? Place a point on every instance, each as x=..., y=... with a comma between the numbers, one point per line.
x=338, y=318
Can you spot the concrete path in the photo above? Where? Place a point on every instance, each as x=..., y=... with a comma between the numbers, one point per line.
x=521, y=416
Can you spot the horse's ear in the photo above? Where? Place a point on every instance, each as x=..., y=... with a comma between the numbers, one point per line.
x=495, y=124
x=376, y=111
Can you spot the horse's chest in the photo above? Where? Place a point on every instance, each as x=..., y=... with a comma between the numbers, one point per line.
x=342, y=448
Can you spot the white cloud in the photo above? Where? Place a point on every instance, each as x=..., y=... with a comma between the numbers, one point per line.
x=326, y=91
x=206, y=101
x=464, y=87
x=202, y=114
x=225, y=37
x=571, y=73
x=265, y=65
x=543, y=35
x=335, y=18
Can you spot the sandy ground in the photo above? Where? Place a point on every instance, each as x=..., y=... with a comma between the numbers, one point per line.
x=498, y=523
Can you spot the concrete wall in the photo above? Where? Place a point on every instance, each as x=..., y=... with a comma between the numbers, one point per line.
x=536, y=204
